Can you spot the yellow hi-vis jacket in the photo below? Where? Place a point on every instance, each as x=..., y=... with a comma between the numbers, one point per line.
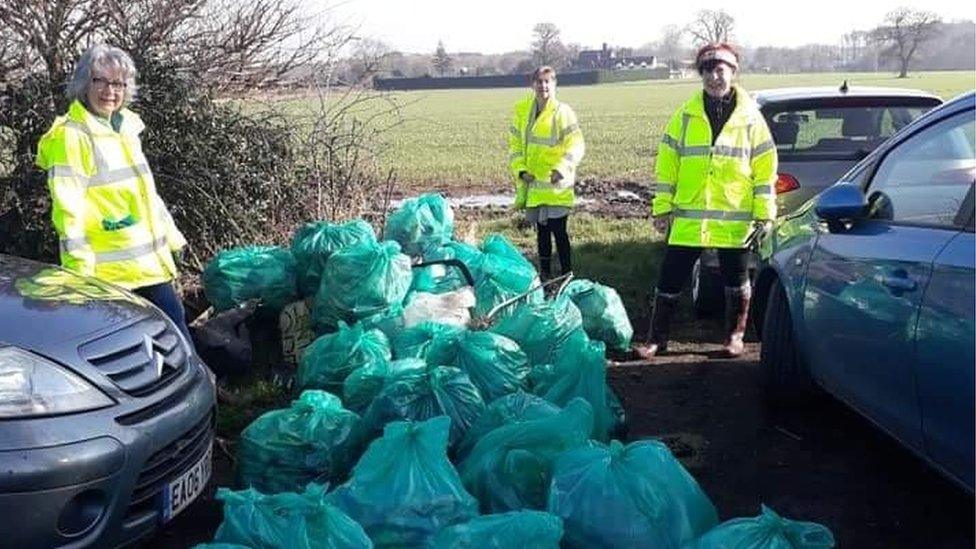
x=111, y=222
x=714, y=192
x=553, y=141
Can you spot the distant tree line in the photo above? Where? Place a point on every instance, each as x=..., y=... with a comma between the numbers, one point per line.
x=904, y=39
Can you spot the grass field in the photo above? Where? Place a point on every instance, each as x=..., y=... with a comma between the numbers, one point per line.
x=458, y=137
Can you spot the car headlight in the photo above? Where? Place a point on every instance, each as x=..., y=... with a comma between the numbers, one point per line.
x=31, y=385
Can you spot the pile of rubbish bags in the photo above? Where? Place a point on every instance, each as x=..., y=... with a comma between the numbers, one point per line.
x=427, y=420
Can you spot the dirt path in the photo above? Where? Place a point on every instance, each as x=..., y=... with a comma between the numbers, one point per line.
x=824, y=464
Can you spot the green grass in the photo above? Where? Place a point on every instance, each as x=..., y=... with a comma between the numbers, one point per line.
x=458, y=137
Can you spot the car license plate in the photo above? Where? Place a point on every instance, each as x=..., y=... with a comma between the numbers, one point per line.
x=179, y=493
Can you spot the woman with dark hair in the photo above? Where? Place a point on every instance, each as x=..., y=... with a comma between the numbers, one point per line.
x=111, y=222
x=716, y=174
x=545, y=146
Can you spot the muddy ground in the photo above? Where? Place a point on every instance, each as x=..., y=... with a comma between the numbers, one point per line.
x=823, y=464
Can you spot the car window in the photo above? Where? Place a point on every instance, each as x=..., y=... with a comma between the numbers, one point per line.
x=927, y=178
x=843, y=133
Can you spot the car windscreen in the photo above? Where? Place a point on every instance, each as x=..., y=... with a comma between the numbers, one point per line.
x=826, y=132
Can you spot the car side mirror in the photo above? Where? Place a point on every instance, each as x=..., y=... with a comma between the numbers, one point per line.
x=840, y=203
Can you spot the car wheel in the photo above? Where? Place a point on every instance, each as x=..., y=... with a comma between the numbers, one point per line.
x=786, y=378
x=707, y=294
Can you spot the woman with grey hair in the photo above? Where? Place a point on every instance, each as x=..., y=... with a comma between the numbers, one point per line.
x=110, y=220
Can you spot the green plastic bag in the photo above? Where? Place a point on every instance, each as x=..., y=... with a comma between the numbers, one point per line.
x=361, y=387
x=604, y=316
x=543, y=329
x=766, y=531
x=503, y=275
x=421, y=395
x=313, y=243
x=497, y=245
x=521, y=529
x=360, y=281
x=580, y=372
x=315, y=440
x=404, y=490
x=495, y=363
x=236, y=275
x=636, y=495
x=421, y=224
x=438, y=279
x=414, y=342
x=389, y=321
x=509, y=468
x=327, y=362
x=300, y=521
x=514, y=408
x=544, y=376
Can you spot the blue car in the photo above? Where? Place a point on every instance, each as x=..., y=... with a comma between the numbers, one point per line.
x=867, y=291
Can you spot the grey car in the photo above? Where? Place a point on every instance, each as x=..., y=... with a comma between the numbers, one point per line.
x=820, y=133
x=106, y=413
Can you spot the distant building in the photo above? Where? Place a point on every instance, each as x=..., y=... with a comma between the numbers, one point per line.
x=608, y=58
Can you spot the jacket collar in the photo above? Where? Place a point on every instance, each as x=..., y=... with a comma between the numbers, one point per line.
x=744, y=106
x=131, y=123
x=550, y=105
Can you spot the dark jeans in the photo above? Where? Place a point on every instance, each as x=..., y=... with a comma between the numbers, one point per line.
x=679, y=260
x=554, y=228
x=164, y=296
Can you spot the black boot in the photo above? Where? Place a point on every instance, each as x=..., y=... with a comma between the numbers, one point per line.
x=657, y=337
x=736, y=319
x=545, y=268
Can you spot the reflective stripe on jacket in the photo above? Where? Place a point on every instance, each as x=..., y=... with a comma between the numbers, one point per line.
x=110, y=221
x=553, y=141
x=714, y=192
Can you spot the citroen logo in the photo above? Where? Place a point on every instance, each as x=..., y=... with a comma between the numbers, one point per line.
x=154, y=356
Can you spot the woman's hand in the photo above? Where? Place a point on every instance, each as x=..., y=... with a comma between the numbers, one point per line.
x=555, y=177
x=662, y=223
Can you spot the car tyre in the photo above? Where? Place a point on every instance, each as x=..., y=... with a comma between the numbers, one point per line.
x=707, y=293
x=786, y=378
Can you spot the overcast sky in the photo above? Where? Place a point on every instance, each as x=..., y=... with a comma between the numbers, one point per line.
x=495, y=26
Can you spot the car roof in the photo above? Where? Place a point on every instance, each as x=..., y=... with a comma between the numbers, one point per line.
x=775, y=95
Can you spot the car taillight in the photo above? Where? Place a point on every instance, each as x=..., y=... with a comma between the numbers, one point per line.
x=786, y=183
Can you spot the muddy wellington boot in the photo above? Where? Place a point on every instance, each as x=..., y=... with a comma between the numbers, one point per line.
x=736, y=319
x=657, y=336
x=545, y=268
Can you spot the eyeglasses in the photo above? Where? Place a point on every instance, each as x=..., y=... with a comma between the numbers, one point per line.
x=114, y=85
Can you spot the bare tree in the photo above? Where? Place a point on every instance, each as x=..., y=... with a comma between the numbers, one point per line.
x=711, y=26
x=369, y=57
x=571, y=55
x=53, y=30
x=671, y=45
x=441, y=61
x=547, y=48
x=904, y=30
x=144, y=27
x=229, y=44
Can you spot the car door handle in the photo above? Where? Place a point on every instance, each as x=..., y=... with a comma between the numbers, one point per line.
x=899, y=282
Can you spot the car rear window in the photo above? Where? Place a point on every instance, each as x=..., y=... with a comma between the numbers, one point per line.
x=836, y=133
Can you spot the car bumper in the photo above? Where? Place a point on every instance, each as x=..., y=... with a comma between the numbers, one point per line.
x=105, y=490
